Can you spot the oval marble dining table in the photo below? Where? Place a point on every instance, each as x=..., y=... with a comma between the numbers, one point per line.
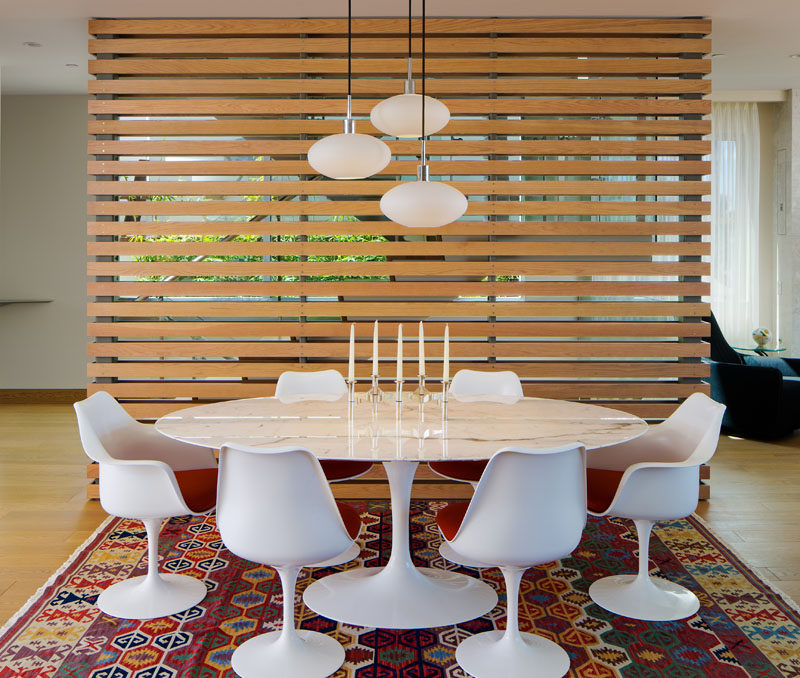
x=400, y=435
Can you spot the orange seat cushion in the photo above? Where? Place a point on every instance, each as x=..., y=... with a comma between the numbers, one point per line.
x=351, y=519
x=449, y=518
x=601, y=486
x=466, y=471
x=198, y=487
x=335, y=469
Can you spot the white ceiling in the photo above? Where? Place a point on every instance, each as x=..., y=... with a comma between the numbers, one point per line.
x=756, y=37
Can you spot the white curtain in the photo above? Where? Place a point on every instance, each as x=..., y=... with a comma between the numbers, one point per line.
x=735, y=158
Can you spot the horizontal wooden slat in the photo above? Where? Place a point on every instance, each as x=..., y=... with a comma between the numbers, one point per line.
x=389, y=86
x=398, y=289
x=172, y=27
x=235, y=369
x=386, y=268
x=410, y=147
x=273, y=349
x=279, y=45
x=476, y=248
x=487, y=228
x=322, y=127
x=400, y=308
x=372, y=208
x=499, y=106
x=374, y=187
x=398, y=66
x=437, y=167
x=364, y=330
x=164, y=389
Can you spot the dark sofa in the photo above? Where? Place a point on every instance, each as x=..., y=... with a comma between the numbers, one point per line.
x=762, y=394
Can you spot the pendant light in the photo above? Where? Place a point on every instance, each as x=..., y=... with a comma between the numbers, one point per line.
x=423, y=203
x=349, y=155
x=399, y=115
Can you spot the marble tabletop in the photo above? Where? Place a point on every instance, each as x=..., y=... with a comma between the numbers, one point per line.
x=387, y=430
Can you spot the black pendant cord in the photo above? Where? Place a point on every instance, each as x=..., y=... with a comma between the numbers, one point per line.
x=409, y=30
x=349, y=46
x=422, y=131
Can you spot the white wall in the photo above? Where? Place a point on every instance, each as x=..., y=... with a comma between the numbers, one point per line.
x=43, y=241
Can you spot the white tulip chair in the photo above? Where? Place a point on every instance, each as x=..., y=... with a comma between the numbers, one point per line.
x=475, y=386
x=328, y=385
x=149, y=477
x=653, y=477
x=275, y=507
x=529, y=508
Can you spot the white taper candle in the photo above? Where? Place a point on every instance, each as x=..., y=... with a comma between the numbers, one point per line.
x=446, y=367
x=375, y=350
x=421, y=350
x=399, y=353
x=352, y=357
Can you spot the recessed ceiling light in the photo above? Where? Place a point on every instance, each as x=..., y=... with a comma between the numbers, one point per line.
x=32, y=44
x=71, y=65
x=794, y=56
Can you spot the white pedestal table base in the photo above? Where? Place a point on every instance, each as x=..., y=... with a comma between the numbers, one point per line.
x=400, y=595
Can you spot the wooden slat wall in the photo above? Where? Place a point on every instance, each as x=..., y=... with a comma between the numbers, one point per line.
x=579, y=143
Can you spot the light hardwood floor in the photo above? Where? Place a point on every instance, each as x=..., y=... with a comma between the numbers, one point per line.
x=44, y=516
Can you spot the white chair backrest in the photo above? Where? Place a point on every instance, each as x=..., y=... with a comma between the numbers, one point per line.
x=693, y=430
x=485, y=385
x=107, y=431
x=688, y=437
x=274, y=506
x=529, y=507
x=323, y=385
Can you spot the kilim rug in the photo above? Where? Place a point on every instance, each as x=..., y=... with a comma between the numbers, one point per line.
x=743, y=628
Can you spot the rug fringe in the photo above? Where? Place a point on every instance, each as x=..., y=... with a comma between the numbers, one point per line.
x=51, y=579
x=790, y=602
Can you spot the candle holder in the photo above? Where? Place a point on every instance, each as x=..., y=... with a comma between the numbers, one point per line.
x=374, y=395
x=399, y=390
x=445, y=388
x=421, y=391
x=351, y=390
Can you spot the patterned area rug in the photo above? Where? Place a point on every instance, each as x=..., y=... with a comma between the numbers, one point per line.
x=743, y=627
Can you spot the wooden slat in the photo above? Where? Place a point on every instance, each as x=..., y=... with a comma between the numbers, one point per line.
x=387, y=268
x=170, y=27
x=398, y=249
x=273, y=349
x=453, y=147
x=279, y=45
x=235, y=369
x=493, y=227
x=362, y=107
x=438, y=167
x=399, y=65
x=389, y=86
x=395, y=309
x=398, y=289
x=388, y=329
x=374, y=187
x=196, y=389
x=322, y=127
x=372, y=208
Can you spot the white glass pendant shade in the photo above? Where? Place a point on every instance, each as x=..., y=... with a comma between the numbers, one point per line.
x=423, y=204
x=349, y=156
x=400, y=116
